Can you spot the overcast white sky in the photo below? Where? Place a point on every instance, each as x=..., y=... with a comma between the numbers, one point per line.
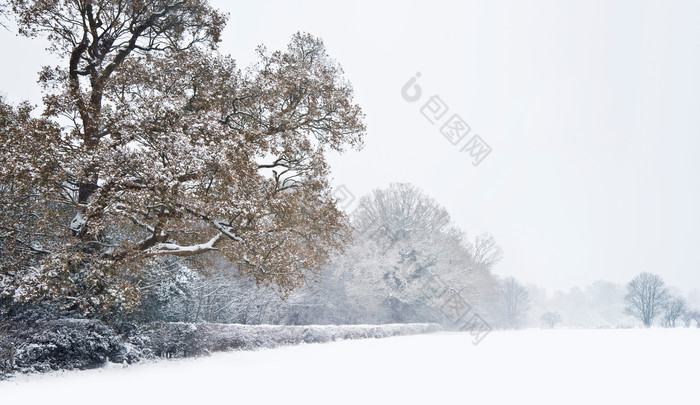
x=591, y=108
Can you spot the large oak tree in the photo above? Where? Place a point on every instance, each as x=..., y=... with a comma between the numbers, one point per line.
x=153, y=144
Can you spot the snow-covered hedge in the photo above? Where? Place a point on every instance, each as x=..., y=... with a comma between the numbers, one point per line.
x=63, y=343
x=67, y=343
x=187, y=339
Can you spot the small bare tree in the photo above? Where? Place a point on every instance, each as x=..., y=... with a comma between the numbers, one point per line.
x=549, y=319
x=687, y=319
x=675, y=308
x=486, y=251
x=516, y=300
x=646, y=297
x=695, y=316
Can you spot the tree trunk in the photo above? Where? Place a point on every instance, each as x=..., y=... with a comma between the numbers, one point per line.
x=12, y=357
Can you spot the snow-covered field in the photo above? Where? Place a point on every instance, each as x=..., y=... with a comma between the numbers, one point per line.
x=533, y=366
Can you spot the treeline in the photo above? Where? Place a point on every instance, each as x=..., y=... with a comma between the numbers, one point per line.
x=403, y=244
x=645, y=301
x=406, y=263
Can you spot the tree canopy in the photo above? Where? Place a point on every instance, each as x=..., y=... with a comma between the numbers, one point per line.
x=151, y=143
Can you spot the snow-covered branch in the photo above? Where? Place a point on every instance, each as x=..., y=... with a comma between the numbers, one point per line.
x=36, y=248
x=226, y=230
x=177, y=250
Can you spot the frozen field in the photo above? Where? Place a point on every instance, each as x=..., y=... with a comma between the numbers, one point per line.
x=534, y=366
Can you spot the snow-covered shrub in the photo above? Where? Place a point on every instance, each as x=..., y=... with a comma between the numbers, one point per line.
x=48, y=338
x=186, y=339
x=66, y=344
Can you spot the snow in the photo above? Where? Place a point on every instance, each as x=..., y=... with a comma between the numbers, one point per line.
x=560, y=366
x=78, y=221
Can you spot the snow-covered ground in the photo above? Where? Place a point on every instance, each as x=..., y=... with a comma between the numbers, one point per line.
x=533, y=366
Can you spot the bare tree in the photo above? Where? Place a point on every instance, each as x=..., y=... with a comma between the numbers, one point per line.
x=398, y=212
x=695, y=316
x=687, y=319
x=401, y=236
x=646, y=297
x=485, y=251
x=4, y=13
x=402, y=239
x=516, y=300
x=675, y=308
x=549, y=319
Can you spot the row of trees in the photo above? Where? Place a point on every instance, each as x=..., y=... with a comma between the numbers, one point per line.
x=648, y=298
x=645, y=299
x=402, y=239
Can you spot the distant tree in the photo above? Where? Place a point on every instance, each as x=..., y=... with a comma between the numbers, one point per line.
x=695, y=316
x=485, y=251
x=516, y=301
x=687, y=319
x=402, y=238
x=396, y=245
x=605, y=301
x=675, y=308
x=646, y=297
x=549, y=319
